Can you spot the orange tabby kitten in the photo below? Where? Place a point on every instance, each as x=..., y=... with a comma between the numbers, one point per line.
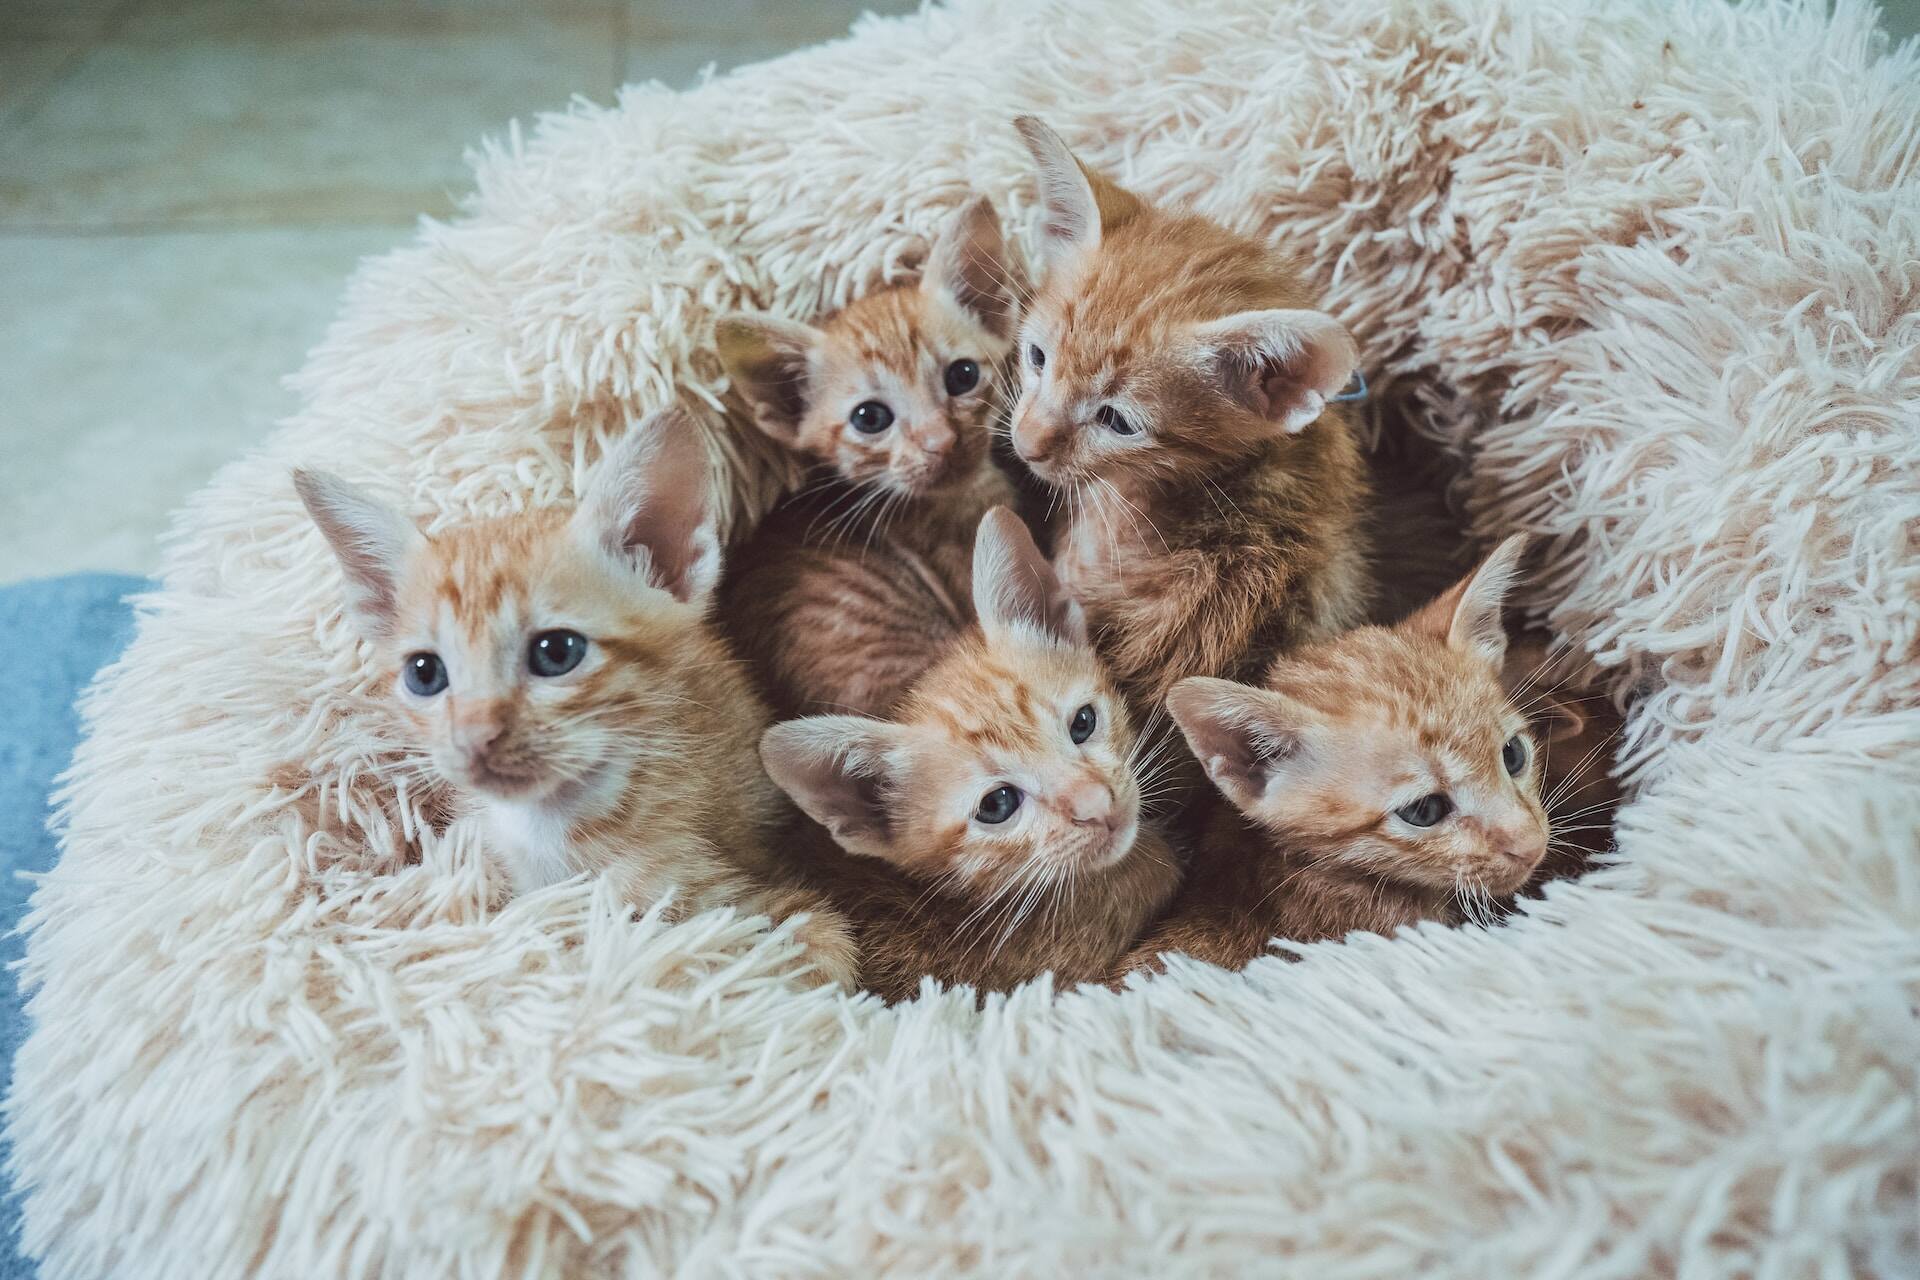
x=991, y=830
x=558, y=672
x=847, y=588
x=1376, y=780
x=1175, y=394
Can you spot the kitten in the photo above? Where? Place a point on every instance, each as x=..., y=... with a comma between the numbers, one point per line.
x=992, y=829
x=557, y=671
x=1376, y=780
x=1176, y=395
x=845, y=589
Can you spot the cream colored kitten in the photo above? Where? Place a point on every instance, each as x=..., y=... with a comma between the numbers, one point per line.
x=991, y=829
x=845, y=591
x=557, y=670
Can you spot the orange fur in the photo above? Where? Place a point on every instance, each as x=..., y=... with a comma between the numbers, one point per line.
x=1320, y=764
x=1225, y=524
x=1066, y=882
x=609, y=767
x=846, y=589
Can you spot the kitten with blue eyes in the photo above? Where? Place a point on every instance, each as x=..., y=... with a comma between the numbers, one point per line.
x=845, y=588
x=990, y=829
x=556, y=670
x=1372, y=781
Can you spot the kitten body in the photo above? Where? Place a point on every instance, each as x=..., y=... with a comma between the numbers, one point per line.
x=1175, y=393
x=558, y=674
x=1372, y=781
x=990, y=829
x=844, y=592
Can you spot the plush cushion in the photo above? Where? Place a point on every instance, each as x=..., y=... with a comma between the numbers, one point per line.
x=1645, y=271
x=55, y=634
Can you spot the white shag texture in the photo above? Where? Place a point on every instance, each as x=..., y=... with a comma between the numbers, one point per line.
x=1650, y=269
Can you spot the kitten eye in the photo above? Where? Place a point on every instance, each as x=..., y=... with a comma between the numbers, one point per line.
x=1036, y=357
x=1514, y=755
x=1113, y=420
x=870, y=417
x=1425, y=811
x=998, y=805
x=425, y=674
x=554, y=653
x=962, y=377
x=1080, y=728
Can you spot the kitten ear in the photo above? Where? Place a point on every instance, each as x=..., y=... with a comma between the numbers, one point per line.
x=839, y=770
x=1243, y=737
x=969, y=265
x=651, y=500
x=1077, y=203
x=766, y=358
x=1015, y=587
x=372, y=542
x=1283, y=365
x=1467, y=614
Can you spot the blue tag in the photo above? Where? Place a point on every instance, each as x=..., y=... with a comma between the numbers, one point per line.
x=1356, y=390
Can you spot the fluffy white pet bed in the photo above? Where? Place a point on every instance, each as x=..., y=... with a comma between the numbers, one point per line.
x=1652, y=271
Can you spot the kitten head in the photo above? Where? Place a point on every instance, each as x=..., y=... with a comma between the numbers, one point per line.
x=1009, y=764
x=899, y=389
x=525, y=651
x=1159, y=343
x=1391, y=750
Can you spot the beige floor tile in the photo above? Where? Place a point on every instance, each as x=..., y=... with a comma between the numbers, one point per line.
x=27, y=67
x=794, y=22
x=131, y=368
x=181, y=19
x=57, y=17
x=309, y=128
x=678, y=63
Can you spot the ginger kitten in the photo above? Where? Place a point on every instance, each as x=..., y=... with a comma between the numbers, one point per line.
x=991, y=829
x=846, y=588
x=557, y=671
x=1175, y=394
x=1375, y=780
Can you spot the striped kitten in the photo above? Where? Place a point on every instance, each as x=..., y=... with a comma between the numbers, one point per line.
x=846, y=589
x=557, y=671
x=1374, y=781
x=991, y=829
x=1175, y=395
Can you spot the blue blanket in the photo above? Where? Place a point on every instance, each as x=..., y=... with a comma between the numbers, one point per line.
x=55, y=633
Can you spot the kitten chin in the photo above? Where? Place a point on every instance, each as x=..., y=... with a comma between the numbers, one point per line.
x=840, y=596
x=1176, y=395
x=559, y=670
x=1370, y=782
x=991, y=828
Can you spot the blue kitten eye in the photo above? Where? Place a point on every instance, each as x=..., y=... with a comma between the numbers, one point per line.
x=554, y=653
x=1036, y=357
x=962, y=377
x=1080, y=728
x=1113, y=420
x=870, y=417
x=1514, y=755
x=1425, y=811
x=424, y=673
x=998, y=805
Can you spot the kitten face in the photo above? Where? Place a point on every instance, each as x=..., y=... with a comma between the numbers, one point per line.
x=1390, y=751
x=538, y=657
x=1158, y=343
x=1011, y=762
x=897, y=391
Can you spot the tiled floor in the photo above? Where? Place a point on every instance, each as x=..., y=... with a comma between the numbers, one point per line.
x=185, y=184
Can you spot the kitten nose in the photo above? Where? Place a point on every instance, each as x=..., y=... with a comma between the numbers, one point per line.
x=477, y=727
x=936, y=441
x=1033, y=443
x=1523, y=848
x=1089, y=803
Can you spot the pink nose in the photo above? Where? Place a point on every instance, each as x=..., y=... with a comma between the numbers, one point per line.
x=1522, y=848
x=1089, y=803
x=475, y=730
x=1034, y=442
x=936, y=442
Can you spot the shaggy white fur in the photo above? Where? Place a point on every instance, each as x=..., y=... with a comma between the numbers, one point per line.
x=1652, y=270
